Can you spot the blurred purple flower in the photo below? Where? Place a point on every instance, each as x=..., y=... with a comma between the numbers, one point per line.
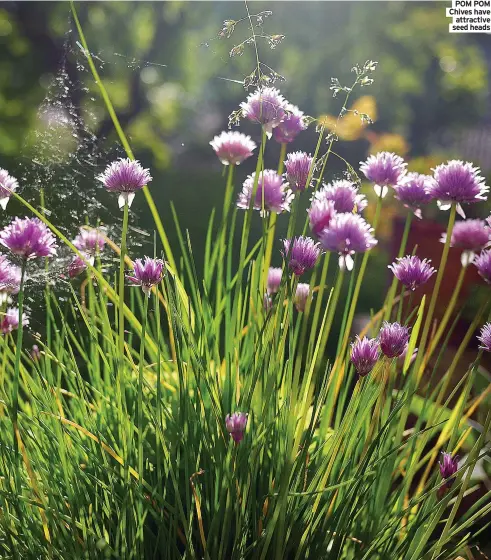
x=345, y=196
x=414, y=191
x=125, y=176
x=232, y=147
x=292, y=124
x=277, y=195
x=297, y=166
x=411, y=271
x=471, y=236
x=236, y=425
x=393, y=339
x=347, y=234
x=77, y=265
x=364, y=354
x=9, y=321
x=265, y=106
x=384, y=169
x=458, y=182
x=321, y=212
x=8, y=185
x=274, y=279
x=302, y=296
x=10, y=276
x=485, y=337
x=483, y=264
x=35, y=353
x=28, y=238
x=301, y=253
x=90, y=241
x=147, y=273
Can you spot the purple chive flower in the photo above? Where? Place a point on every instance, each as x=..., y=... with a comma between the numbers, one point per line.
x=297, y=167
x=485, y=337
x=292, y=124
x=414, y=191
x=321, y=212
x=277, y=196
x=402, y=358
x=8, y=185
x=393, y=339
x=347, y=234
x=364, y=354
x=147, y=273
x=125, y=176
x=448, y=467
x=77, y=265
x=35, y=353
x=265, y=106
x=483, y=264
x=458, y=182
x=411, y=271
x=301, y=252
x=345, y=196
x=471, y=236
x=236, y=425
x=302, y=296
x=10, y=276
x=232, y=148
x=10, y=320
x=274, y=279
x=90, y=241
x=28, y=238
x=385, y=169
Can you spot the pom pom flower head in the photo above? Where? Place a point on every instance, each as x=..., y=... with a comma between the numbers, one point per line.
x=458, y=182
x=10, y=320
x=485, y=337
x=10, y=277
x=414, y=191
x=147, y=273
x=301, y=253
x=90, y=241
x=393, y=339
x=28, y=238
x=297, y=167
x=125, y=176
x=8, y=185
x=483, y=264
x=272, y=194
x=384, y=169
x=321, y=212
x=265, y=106
x=411, y=271
x=274, y=279
x=347, y=234
x=232, y=147
x=471, y=236
x=236, y=425
x=302, y=296
x=292, y=124
x=344, y=195
x=364, y=354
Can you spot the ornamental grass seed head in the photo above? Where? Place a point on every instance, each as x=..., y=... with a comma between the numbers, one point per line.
x=471, y=236
x=302, y=296
x=28, y=238
x=485, y=337
x=365, y=353
x=458, y=182
x=347, y=234
x=147, y=273
x=274, y=279
x=411, y=271
x=414, y=191
x=292, y=124
x=393, y=339
x=232, y=147
x=483, y=264
x=301, y=253
x=277, y=196
x=297, y=166
x=384, y=169
x=321, y=212
x=345, y=196
x=8, y=185
x=125, y=176
x=236, y=425
x=265, y=106
x=9, y=321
